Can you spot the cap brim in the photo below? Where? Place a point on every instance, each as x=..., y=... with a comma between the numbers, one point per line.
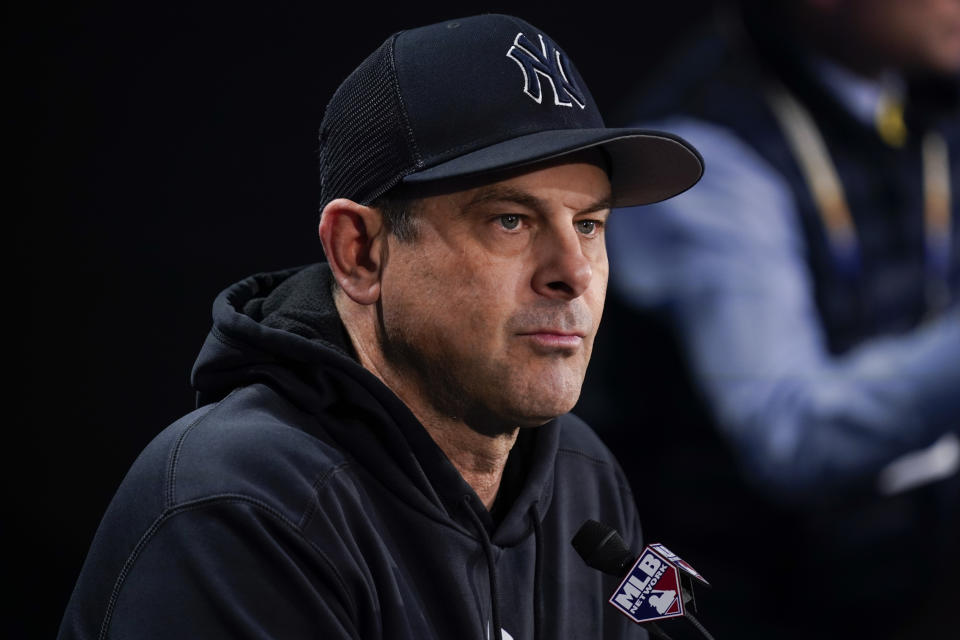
x=646, y=166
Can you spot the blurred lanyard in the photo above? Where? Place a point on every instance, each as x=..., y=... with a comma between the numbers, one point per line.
x=820, y=173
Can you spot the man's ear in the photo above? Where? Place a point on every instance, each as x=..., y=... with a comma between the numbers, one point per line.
x=352, y=236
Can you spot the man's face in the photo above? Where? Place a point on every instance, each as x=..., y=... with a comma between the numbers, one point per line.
x=491, y=311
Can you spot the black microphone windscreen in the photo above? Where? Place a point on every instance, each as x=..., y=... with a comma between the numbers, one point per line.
x=602, y=548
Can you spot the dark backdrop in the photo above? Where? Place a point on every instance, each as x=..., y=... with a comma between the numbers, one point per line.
x=164, y=150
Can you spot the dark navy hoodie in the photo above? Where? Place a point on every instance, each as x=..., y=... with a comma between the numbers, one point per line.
x=303, y=499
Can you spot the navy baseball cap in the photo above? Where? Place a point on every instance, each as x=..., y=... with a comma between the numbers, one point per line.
x=474, y=96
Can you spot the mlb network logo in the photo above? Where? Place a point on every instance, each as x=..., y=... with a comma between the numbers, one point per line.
x=651, y=591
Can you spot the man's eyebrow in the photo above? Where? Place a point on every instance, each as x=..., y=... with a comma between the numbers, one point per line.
x=500, y=193
x=601, y=204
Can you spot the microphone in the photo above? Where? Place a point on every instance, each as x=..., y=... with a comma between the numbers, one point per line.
x=656, y=585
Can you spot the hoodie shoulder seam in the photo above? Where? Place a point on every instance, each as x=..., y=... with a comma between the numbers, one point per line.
x=610, y=463
x=170, y=512
x=318, y=486
x=170, y=497
x=586, y=455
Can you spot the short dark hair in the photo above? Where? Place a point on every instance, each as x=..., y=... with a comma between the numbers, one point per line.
x=399, y=211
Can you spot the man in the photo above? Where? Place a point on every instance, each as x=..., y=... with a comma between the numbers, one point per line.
x=382, y=448
x=812, y=279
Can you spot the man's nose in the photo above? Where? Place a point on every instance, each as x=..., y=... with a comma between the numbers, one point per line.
x=563, y=272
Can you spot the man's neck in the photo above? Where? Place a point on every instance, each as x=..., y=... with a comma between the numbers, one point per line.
x=480, y=458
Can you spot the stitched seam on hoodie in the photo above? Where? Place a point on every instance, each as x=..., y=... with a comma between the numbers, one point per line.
x=582, y=454
x=618, y=476
x=318, y=486
x=170, y=497
x=197, y=504
x=229, y=341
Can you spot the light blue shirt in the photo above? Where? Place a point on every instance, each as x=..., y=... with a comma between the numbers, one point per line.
x=727, y=261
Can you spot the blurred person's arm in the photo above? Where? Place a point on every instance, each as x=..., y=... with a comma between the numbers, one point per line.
x=726, y=261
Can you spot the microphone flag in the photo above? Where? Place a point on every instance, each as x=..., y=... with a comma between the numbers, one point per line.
x=653, y=589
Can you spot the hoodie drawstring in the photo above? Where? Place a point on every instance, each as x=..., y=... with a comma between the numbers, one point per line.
x=537, y=573
x=534, y=514
x=491, y=568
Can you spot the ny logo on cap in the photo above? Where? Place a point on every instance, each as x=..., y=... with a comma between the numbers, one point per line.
x=547, y=63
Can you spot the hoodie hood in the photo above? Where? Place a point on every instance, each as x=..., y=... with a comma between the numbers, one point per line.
x=282, y=329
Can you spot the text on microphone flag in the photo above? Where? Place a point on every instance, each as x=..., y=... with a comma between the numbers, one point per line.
x=651, y=590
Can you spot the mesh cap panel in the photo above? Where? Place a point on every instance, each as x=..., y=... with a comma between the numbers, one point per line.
x=366, y=146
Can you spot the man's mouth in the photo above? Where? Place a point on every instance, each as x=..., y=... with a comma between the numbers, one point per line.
x=554, y=338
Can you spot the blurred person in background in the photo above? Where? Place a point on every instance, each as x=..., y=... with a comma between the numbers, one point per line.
x=803, y=300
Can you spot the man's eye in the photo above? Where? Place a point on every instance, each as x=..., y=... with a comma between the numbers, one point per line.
x=509, y=221
x=588, y=227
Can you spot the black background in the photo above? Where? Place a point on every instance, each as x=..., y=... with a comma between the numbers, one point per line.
x=161, y=152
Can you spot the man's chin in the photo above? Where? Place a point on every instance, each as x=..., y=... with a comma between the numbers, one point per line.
x=535, y=415
x=513, y=413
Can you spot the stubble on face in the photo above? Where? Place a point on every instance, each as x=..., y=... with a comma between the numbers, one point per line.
x=487, y=393
x=455, y=322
